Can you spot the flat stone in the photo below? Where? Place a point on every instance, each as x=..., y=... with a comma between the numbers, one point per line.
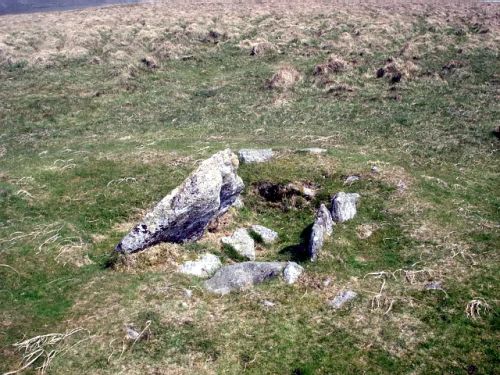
x=242, y=276
x=344, y=206
x=248, y=156
x=313, y=150
x=322, y=227
x=204, y=266
x=342, y=298
x=242, y=243
x=292, y=272
x=266, y=235
x=184, y=214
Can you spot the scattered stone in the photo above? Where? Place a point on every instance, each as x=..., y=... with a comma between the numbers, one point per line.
x=184, y=214
x=292, y=272
x=149, y=62
x=327, y=282
x=267, y=303
x=342, y=298
x=265, y=235
x=131, y=333
x=242, y=243
x=375, y=169
x=241, y=276
x=365, y=231
x=188, y=293
x=351, y=179
x=313, y=150
x=434, y=285
x=344, y=206
x=322, y=227
x=204, y=266
x=248, y=156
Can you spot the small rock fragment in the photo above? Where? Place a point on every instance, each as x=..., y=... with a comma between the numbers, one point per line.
x=292, y=272
x=188, y=293
x=266, y=235
x=322, y=227
x=344, y=206
x=434, y=285
x=204, y=266
x=375, y=169
x=313, y=150
x=351, y=179
x=131, y=333
x=248, y=156
x=267, y=303
x=242, y=243
x=342, y=298
x=241, y=276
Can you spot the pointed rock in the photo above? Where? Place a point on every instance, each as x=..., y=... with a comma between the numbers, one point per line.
x=344, y=206
x=184, y=214
x=322, y=227
x=241, y=276
x=242, y=243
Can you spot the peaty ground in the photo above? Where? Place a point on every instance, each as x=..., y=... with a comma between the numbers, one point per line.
x=103, y=112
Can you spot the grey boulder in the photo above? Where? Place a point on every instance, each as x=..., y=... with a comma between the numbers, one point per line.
x=241, y=242
x=322, y=227
x=266, y=235
x=344, y=206
x=184, y=214
x=248, y=156
x=241, y=276
x=342, y=298
x=204, y=266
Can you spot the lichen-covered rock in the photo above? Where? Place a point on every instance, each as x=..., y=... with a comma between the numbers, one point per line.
x=344, y=206
x=342, y=298
x=184, y=214
x=241, y=276
x=322, y=227
x=266, y=235
x=242, y=243
x=292, y=272
x=255, y=155
x=204, y=266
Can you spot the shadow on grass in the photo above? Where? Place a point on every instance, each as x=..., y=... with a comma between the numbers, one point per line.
x=299, y=253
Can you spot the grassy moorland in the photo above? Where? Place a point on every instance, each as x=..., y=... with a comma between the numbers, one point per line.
x=103, y=112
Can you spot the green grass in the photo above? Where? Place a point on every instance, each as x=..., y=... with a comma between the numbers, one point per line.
x=64, y=145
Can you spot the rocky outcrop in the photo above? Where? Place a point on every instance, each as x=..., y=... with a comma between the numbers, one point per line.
x=184, y=214
x=322, y=227
x=241, y=276
x=344, y=206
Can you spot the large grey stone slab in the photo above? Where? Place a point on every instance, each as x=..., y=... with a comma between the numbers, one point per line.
x=184, y=214
x=243, y=276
